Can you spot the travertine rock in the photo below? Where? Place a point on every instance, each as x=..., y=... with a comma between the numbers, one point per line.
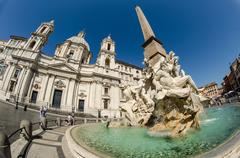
x=167, y=99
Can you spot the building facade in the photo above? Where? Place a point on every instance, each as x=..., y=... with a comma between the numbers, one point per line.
x=210, y=90
x=67, y=80
x=231, y=82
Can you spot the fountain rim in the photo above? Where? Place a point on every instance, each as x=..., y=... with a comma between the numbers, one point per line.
x=227, y=148
x=80, y=150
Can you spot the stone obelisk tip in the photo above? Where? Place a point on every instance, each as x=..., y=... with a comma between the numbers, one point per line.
x=153, y=49
x=146, y=28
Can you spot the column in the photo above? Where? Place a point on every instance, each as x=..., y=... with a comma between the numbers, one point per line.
x=8, y=77
x=44, y=88
x=65, y=94
x=25, y=85
x=29, y=94
x=98, y=96
x=92, y=95
x=70, y=92
x=6, y=73
x=48, y=93
x=20, y=81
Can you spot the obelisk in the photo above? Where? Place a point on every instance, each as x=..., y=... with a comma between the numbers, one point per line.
x=153, y=49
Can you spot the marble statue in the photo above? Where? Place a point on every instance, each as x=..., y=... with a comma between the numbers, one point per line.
x=165, y=93
x=167, y=99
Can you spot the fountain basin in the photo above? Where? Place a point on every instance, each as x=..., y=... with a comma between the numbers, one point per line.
x=219, y=134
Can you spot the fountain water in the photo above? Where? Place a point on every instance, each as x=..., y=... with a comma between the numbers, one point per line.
x=165, y=104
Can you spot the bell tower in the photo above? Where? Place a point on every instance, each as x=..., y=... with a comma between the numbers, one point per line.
x=106, y=56
x=40, y=37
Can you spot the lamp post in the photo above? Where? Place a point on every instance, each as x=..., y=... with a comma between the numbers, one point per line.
x=17, y=100
x=99, y=113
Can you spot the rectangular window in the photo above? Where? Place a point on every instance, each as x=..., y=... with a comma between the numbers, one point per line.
x=81, y=105
x=106, y=91
x=34, y=97
x=121, y=93
x=70, y=55
x=2, y=68
x=12, y=86
x=105, y=103
x=17, y=72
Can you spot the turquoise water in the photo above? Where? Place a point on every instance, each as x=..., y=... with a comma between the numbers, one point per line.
x=217, y=124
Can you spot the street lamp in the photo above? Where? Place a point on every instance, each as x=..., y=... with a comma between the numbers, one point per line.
x=17, y=101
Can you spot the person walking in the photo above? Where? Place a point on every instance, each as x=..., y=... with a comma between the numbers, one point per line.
x=45, y=111
x=41, y=111
x=43, y=121
x=69, y=119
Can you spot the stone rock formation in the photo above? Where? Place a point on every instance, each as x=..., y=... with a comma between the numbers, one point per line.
x=166, y=100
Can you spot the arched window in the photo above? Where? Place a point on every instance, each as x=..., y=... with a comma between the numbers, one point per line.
x=71, y=53
x=83, y=61
x=43, y=29
x=32, y=44
x=108, y=46
x=107, y=62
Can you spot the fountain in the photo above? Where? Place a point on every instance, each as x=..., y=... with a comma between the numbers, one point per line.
x=159, y=111
x=166, y=100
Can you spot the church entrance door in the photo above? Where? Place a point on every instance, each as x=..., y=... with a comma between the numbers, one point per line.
x=57, y=97
x=81, y=105
x=34, y=96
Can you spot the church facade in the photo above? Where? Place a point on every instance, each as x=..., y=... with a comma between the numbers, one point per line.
x=66, y=81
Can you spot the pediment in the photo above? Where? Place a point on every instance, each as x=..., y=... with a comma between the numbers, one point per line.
x=62, y=66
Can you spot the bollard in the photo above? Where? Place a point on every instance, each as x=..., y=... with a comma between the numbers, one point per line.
x=16, y=107
x=5, y=151
x=43, y=123
x=27, y=132
x=73, y=121
x=85, y=120
x=58, y=121
x=25, y=108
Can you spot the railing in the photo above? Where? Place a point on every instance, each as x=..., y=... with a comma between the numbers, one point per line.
x=25, y=131
x=19, y=130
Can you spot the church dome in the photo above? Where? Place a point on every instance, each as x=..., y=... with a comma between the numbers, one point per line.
x=79, y=39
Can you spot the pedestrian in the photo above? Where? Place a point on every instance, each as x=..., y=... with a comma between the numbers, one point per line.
x=42, y=117
x=44, y=111
x=41, y=111
x=69, y=120
x=73, y=118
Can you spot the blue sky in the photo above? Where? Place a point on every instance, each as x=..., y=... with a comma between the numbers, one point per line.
x=205, y=34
